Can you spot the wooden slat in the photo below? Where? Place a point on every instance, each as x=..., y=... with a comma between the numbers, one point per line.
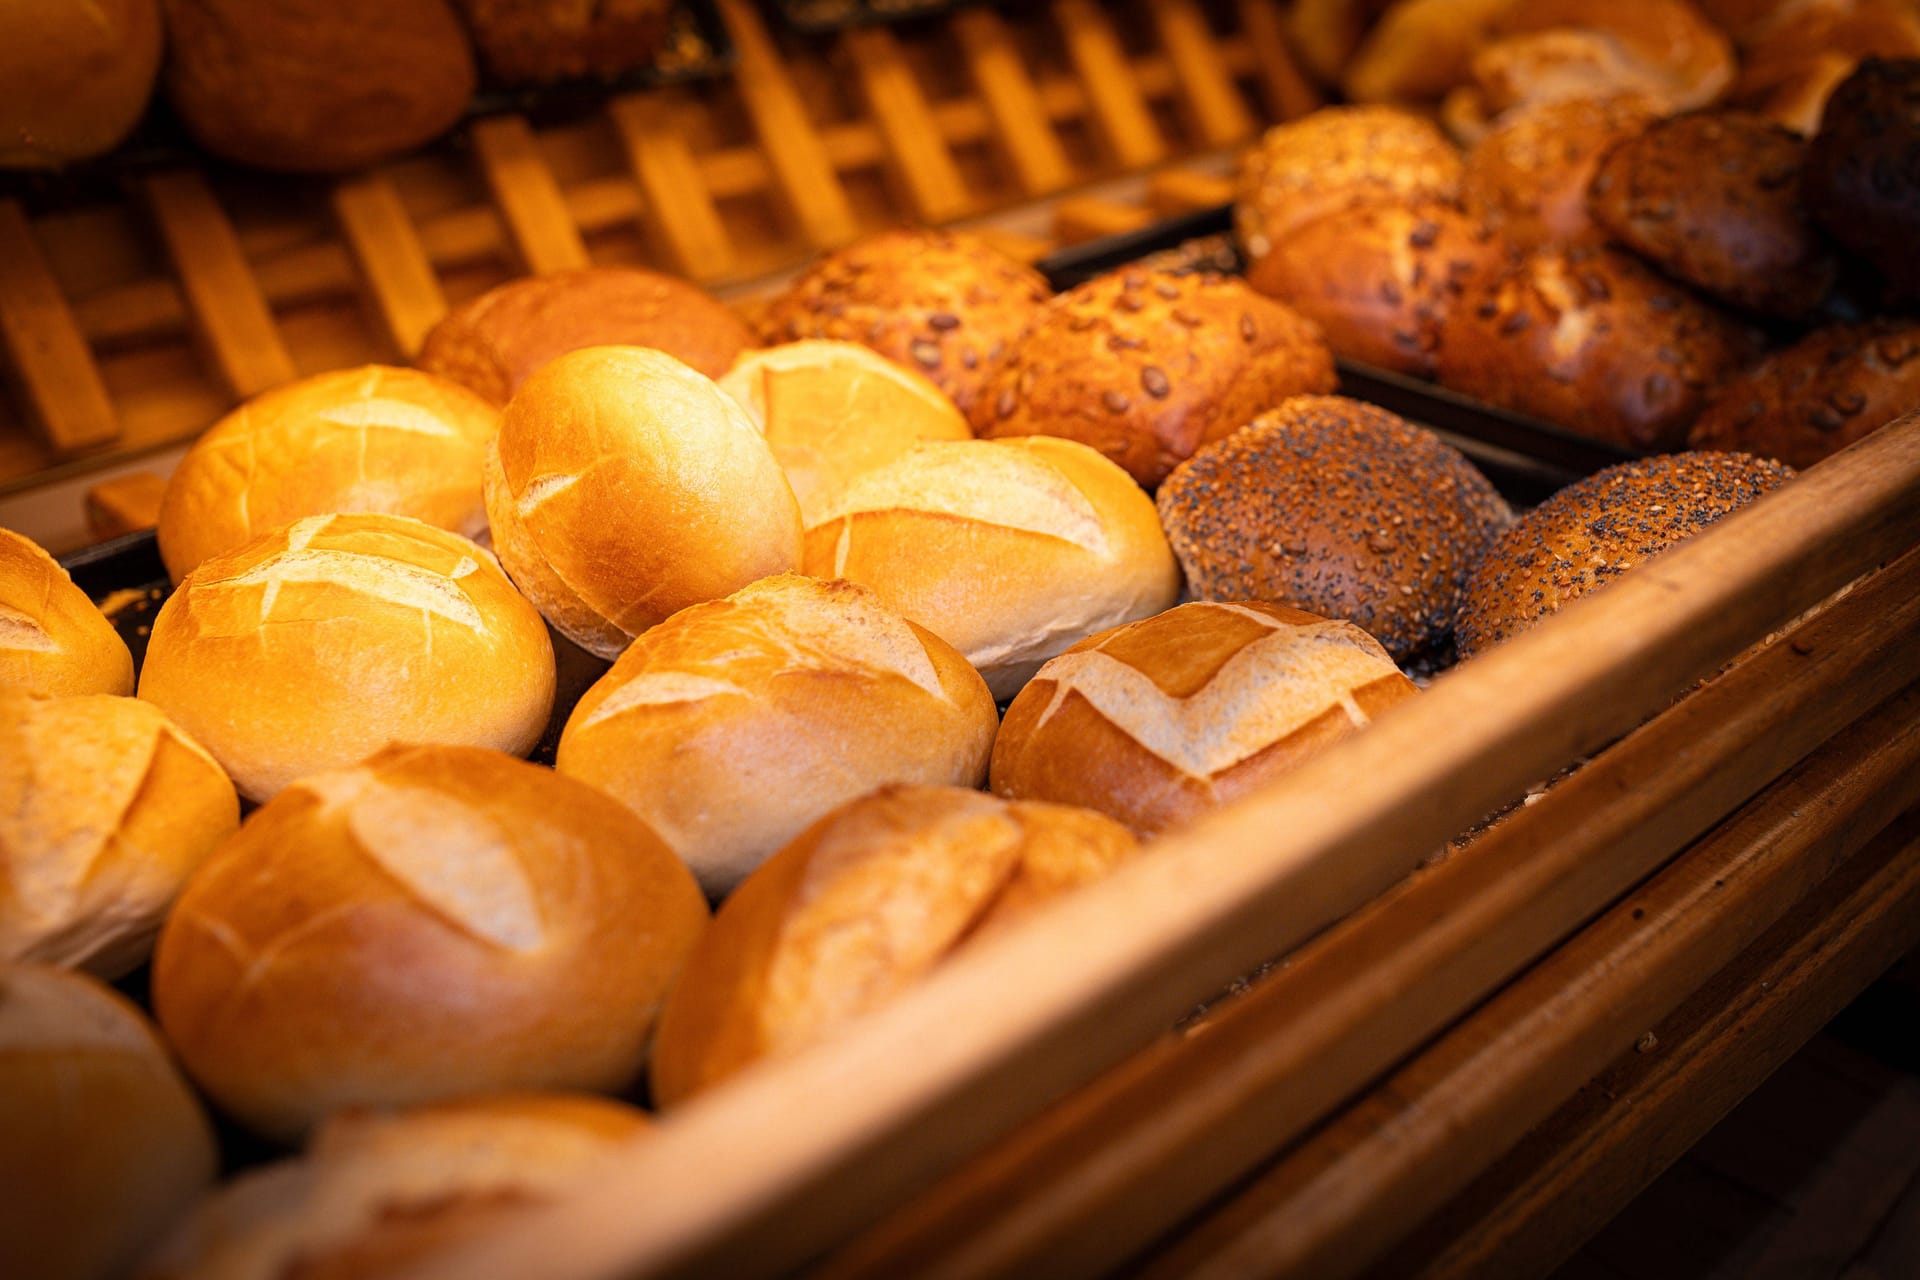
x=917, y=151
x=1207, y=91
x=1081, y=218
x=228, y=313
x=1290, y=94
x=678, y=210
x=1180, y=191
x=527, y=195
x=401, y=286
x=47, y=356
x=1114, y=100
x=1022, y=129
x=124, y=504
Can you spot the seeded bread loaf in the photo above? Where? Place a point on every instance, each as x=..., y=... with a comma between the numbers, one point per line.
x=1817, y=396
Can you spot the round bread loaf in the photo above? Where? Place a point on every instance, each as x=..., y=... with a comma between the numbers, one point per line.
x=1713, y=198
x=1009, y=550
x=1379, y=280
x=102, y=1146
x=1528, y=176
x=377, y=1192
x=493, y=343
x=1147, y=366
x=74, y=79
x=368, y=439
x=1338, y=508
x=539, y=41
x=1592, y=339
x=732, y=725
x=1337, y=159
x=105, y=807
x=1818, y=396
x=1157, y=722
x=1549, y=50
x=434, y=922
x=830, y=410
x=52, y=640
x=625, y=487
x=315, y=86
x=1862, y=177
x=1591, y=532
x=324, y=641
x=863, y=904
x=945, y=304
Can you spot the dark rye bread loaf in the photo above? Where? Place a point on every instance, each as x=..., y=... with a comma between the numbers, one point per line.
x=1338, y=508
x=1863, y=171
x=1147, y=366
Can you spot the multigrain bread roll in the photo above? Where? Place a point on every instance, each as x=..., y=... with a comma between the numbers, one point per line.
x=434, y=922
x=324, y=641
x=945, y=304
x=1157, y=722
x=1147, y=366
x=367, y=439
x=732, y=725
x=1861, y=180
x=1590, y=533
x=537, y=41
x=863, y=904
x=1528, y=176
x=493, y=343
x=74, y=79
x=625, y=487
x=102, y=1146
x=830, y=410
x=377, y=1191
x=1338, y=508
x=1009, y=550
x=105, y=807
x=1818, y=396
x=52, y=640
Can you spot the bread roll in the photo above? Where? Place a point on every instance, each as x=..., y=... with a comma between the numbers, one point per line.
x=1157, y=722
x=537, y=41
x=945, y=304
x=1419, y=49
x=435, y=922
x=1338, y=508
x=102, y=1145
x=732, y=725
x=74, y=79
x=52, y=640
x=1861, y=180
x=1528, y=176
x=1797, y=54
x=1834, y=386
x=628, y=487
x=1147, y=366
x=1009, y=550
x=367, y=439
x=1665, y=51
x=379, y=1191
x=831, y=410
x=1590, y=533
x=863, y=904
x=493, y=343
x=323, y=641
x=105, y=807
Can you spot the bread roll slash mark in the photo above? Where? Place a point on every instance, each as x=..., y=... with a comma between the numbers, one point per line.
x=378, y=578
x=22, y=633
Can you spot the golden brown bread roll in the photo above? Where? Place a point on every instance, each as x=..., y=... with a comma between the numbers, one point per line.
x=324, y=641
x=945, y=304
x=105, y=807
x=493, y=343
x=830, y=410
x=536, y=41
x=626, y=487
x=435, y=922
x=367, y=439
x=1157, y=722
x=1009, y=550
x=102, y=1145
x=732, y=725
x=315, y=86
x=74, y=78
x=1338, y=508
x=1528, y=176
x=1419, y=49
x=864, y=903
x=1147, y=366
x=52, y=640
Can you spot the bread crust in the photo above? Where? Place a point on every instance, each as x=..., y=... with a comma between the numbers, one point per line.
x=1816, y=397
x=1528, y=176
x=53, y=641
x=1861, y=181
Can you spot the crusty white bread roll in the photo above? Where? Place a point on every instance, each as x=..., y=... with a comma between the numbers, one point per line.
x=435, y=922
x=1156, y=722
x=105, y=807
x=625, y=487
x=732, y=725
x=102, y=1145
x=74, y=78
x=52, y=640
x=378, y=1191
x=324, y=641
x=369, y=439
x=858, y=908
x=831, y=410
x=1009, y=550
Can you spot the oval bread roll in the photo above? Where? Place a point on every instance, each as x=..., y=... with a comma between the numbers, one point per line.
x=52, y=640
x=74, y=79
